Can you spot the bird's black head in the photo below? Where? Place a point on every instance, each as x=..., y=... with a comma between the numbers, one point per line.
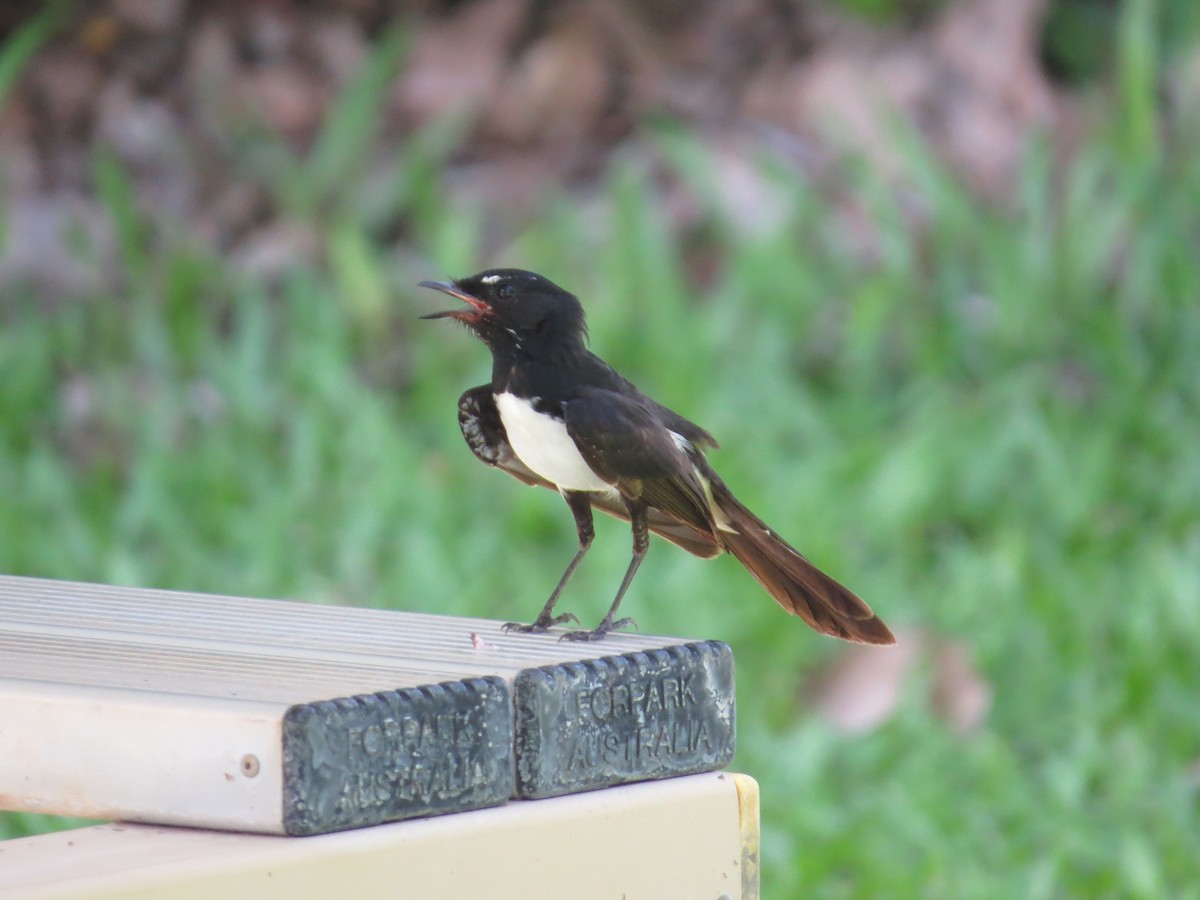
x=512, y=310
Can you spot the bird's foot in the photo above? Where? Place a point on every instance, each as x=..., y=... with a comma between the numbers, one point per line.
x=540, y=625
x=598, y=633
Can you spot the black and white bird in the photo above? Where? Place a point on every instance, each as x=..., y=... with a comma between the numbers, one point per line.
x=557, y=415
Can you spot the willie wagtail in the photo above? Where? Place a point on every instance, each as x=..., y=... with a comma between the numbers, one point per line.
x=557, y=415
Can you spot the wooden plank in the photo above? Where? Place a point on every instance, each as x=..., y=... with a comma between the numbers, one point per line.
x=284, y=717
x=695, y=836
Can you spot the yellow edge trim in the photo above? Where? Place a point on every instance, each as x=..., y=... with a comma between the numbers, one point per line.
x=747, y=794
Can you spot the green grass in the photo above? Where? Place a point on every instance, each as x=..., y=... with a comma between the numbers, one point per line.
x=989, y=429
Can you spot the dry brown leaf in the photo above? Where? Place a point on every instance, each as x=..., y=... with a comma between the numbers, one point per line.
x=557, y=90
x=457, y=62
x=288, y=96
x=270, y=251
x=959, y=695
x=863, y=687
x=158, y=17
x=971, y=82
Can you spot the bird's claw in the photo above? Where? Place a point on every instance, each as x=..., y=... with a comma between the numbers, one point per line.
x=540, y=625
x=598, y=633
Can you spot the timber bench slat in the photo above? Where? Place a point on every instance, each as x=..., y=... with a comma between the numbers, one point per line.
x=291, y=718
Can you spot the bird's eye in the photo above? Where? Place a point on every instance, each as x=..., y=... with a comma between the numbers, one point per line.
x=505, y=291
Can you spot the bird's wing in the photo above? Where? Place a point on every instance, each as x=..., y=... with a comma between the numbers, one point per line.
x=623, y=439
x=484, y=432
x=600, y=374
x=481, y=425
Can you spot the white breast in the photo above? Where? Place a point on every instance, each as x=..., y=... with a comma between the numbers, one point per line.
x=542, y=443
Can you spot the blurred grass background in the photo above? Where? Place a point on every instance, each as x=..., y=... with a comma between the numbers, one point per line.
x=986, y=423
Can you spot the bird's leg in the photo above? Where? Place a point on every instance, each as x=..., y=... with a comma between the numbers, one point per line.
x=641, y=542
x=581, y=508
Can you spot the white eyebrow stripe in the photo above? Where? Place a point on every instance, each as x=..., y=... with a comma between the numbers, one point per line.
x=490, y=279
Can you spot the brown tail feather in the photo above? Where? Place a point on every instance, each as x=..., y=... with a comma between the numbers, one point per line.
x=795, y=583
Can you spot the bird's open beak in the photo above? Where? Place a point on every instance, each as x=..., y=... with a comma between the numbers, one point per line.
x=475, y=310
